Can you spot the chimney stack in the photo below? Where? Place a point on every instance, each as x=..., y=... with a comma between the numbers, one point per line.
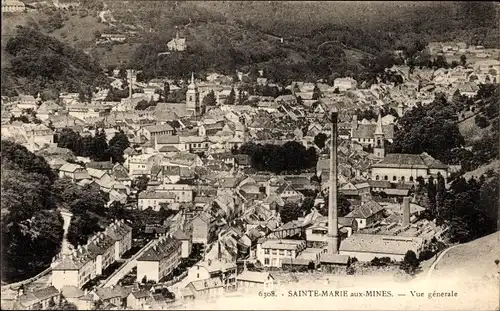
x=333, y=240
x=406, y=211
x=130, y=83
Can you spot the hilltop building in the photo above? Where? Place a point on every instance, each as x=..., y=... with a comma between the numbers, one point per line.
x=13, y=6
x=177, y=44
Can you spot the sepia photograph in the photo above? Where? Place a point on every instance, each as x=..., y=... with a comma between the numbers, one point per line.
x=250, y=155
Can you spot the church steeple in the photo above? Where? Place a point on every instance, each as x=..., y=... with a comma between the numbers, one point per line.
x=379, y=130
x=192, y=83
x=193, y=98
x=379, y=136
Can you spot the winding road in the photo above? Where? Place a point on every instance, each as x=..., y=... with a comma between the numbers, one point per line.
x=433, y=266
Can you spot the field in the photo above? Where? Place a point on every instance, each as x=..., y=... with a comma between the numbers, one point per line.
x=470, y=131
x=79, y=31
x=494, y=165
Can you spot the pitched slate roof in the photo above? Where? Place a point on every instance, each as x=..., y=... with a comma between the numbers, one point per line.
x=168, y=148
x=201, y=285
x=366, y=210
x=118, y=230
x=368, y=131
x=71, y=292
x=46, y=293
x=334, y=259
x=70, y=167
x=157, y=195
x=383, y=244
x=102, y=165
x=159, y=128
x=161, y=250
x=180, y=235
x=167, y=139
x=141, y=294
x=405, y=160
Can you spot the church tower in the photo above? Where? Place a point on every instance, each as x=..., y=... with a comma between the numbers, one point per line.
x=193, y=98
x=379, y=148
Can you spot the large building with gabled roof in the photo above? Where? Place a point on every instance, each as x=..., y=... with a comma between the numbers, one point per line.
x=403, y=167
x=159, y=260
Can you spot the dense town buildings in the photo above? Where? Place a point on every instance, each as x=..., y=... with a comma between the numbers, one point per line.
x=219, y=205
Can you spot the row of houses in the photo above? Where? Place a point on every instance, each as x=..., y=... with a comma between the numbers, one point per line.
x=90, y=260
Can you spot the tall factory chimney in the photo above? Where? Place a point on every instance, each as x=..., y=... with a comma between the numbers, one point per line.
x=406, y=211
x=333, y=230
x=129, y=74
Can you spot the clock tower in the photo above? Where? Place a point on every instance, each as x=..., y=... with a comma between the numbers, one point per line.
x=193, y=98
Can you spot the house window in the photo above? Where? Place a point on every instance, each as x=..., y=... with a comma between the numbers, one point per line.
x=197, y=275
x=411, y=178
x=289, y=253
x=275, y=252
x=266, y=261
x=402, y=178
x=266, y=251
x=393, y=178
x=282, y=252
x=377, y=177
x=385, y=177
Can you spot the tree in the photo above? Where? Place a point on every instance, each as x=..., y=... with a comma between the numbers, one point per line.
x=410, y=263
x=292, y=156
x=21, y=118
x=470, y=210
x=117, y=210
x=98, y=305
x=117, y=146
x=343, y=206
x=434, y=131
x=231, y=99
x=242, y=97
x=33, y=52
x=166, y=90
x=210, y=99
x=99, y=146
x=440, y=62
x=81, y=228
x=316, y=93
x=380, y=262
x=481, y=121
x=463, y=60
x=440, y=191
x=320, y=140
x=489, y=199
x=290, y=212
x=65, y=305
x=141, y=183
x=144, y=104
x=31, y=226
x=307, y=205
x=69, y=139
